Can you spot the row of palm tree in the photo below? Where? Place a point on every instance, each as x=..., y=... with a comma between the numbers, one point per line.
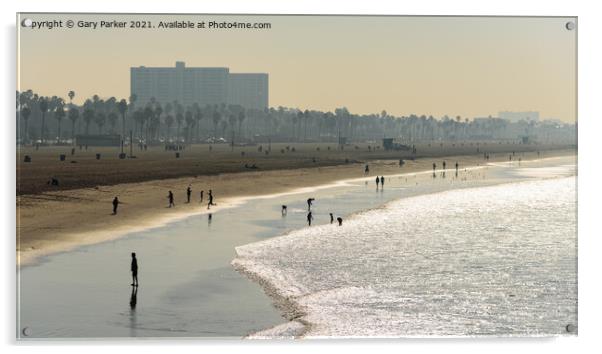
x=154, y=121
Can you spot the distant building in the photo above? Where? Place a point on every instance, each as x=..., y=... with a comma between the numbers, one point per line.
x=198, y=85
x=518, y=116
x=248, y=90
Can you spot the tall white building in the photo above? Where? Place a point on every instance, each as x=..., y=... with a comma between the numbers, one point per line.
x=198, y=85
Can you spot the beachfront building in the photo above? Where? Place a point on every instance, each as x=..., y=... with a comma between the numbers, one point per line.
x=203, y=85
x=248, y=90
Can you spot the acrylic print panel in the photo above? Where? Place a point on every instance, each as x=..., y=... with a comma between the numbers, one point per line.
x=265, y=176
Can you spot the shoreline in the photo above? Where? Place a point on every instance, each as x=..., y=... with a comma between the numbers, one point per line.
x=294, y=311
x=54, y=234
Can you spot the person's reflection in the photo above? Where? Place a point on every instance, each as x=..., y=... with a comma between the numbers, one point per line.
x=133, y=297
x=133, y=301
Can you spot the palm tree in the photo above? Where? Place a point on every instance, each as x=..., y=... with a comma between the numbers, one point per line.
x=122, y=107
x=189, y=124
x=241, y=118
x=25, y=113
x=100, y=120
x=179, y=119
x=71, y=94
x=43, y=107
x=59, y=114
x=216, y=120
x=198, y=115
x=73, y=117
x=169, y=122
x=112, y=117
x=88, y=117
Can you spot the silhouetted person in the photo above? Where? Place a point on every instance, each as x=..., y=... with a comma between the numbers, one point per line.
x=209, y=218
x=284, y=210
x=377, y=181
x=444, y=165
x=309, y=203
x=382, y=181
x=170, y=198
x=133, y=297
x=331, y=218
x=210, y=199
x=115, y=205
x=134, y=269
x=434, y=166
x=309, y=218
x=457, y=166
x=201, y=197
x=340, y=220
x=366, y=170
x=188, y=193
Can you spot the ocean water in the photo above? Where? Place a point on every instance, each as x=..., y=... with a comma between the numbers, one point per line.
x=493, y=260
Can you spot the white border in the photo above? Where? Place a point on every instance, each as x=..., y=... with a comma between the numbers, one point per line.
x=590, y=172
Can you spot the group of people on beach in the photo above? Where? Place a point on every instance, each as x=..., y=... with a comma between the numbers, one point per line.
x=310, y=216
x=171, y=199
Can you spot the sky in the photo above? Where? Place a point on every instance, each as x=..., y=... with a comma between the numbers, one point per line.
x=467, y=66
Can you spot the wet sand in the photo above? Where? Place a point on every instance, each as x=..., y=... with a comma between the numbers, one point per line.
x=188, y=287
x=56, y=221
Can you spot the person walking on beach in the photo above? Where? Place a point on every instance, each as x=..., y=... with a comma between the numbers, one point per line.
x=457, y=166
x=309, y=203
x=340, y=220
x=434, y=167
x=201, y=197
x=115, y=205
x=366, y=170
x=170, y=197
x=309, y=218
x=377, y=181
x=188, y=194
x=210, y=199
x=444, y=165
x=331, y=218
x=382, y=181
x=134, y=269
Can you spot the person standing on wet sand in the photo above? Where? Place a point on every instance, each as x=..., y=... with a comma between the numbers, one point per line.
x=331, y=218
x=309, y=218
x=434, y=166
x=134, y=269
x=188, y=193
x=382, y=181
x=377, y=181
x=115, y=205
x=170, y=197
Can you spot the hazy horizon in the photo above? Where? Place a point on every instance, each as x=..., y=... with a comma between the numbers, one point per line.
x=467, y=66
